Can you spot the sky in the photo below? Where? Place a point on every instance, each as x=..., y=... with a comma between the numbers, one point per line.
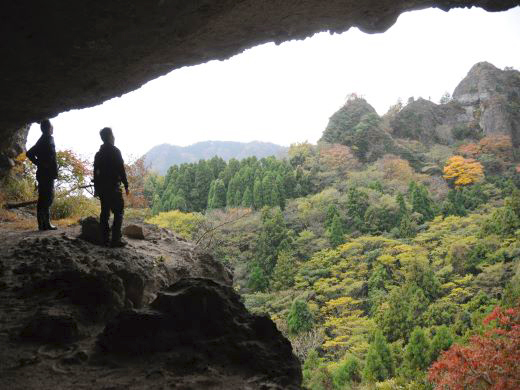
x=287, y=93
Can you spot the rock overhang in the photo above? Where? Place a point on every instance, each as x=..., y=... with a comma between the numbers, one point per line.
x=64, y=55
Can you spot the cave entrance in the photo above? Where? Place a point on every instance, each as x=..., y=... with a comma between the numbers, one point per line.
x=285, y=94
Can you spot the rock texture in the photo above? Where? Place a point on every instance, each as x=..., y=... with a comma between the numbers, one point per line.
x=427, y=122
x=206, y=321
x=11, y=145
x=491, y=97
x=61, y=55
x=164, y=312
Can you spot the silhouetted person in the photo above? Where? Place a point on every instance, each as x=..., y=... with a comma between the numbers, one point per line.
x=43, y=155
x=109, y=173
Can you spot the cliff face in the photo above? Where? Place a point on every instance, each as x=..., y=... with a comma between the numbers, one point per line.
x=10, y=147
x=427, y=122
x=155, y=314
x=491, y=97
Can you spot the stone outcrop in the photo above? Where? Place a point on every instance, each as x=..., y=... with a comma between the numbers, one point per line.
x=491, y=97
x=12, y=144
x=155, y=313
x=423, y=120
x=207, y=320
x=486, y=102
x=63, y=54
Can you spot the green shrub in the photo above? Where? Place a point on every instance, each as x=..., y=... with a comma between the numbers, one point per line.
x=77, y=206
x=346, y=372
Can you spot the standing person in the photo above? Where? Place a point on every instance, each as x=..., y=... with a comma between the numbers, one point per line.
x=43, y=155
x=109, y=173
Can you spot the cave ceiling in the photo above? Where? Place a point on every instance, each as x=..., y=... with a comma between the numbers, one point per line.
x=60, y=55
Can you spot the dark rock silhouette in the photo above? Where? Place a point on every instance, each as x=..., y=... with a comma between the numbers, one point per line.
x=205, y=318
x=154, y=313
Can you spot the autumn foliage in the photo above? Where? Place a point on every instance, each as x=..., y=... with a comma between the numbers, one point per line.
x=499, y=145
x=490, y=361
x=463, y=171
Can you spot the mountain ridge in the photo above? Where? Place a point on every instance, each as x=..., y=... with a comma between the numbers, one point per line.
x=161, y=157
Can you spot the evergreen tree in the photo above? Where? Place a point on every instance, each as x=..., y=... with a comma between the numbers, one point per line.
x=211, y=195
x=378, y=363
x=284, y=271
x=405, y=227
x=332, y=211
x=421, y=202
x=440, y=342
x=455, y=203
x=417, y=353
x=218, y=200
x=299, y=318
x=273, y=238
x=403, y=210
x=336, y=234
x=356, y=205
x=247, y=198
x=258, y=194
x=347, y=371
x=257, y=278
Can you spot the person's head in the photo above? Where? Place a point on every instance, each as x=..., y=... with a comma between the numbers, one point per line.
x=46, y=127
x=107, y=136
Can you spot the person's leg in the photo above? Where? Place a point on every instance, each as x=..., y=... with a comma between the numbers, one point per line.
x=103, y=219
x=45, y=198
x=118, y=207
x=49, y=199
x=39, y=207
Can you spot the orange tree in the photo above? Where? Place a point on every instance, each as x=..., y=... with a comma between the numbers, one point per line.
x=137, y=173
x=490, y=361
x=72, y=170
x=462, y=171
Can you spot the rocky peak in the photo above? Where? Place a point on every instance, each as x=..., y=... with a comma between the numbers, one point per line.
x=491, y=97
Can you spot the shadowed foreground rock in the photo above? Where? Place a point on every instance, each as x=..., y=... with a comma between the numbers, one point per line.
x=204, y=318
x=157, y=314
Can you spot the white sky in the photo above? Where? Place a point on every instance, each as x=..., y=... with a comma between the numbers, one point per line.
x=286, y=93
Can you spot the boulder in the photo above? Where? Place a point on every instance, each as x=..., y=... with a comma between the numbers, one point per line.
x=91, y=230
x=134, y=231
x=199, y=316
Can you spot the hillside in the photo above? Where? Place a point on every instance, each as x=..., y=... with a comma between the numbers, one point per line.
x=161, y=157
x=393, y=239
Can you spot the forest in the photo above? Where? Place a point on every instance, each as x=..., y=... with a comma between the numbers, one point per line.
x=378, y=269
x=388, y=256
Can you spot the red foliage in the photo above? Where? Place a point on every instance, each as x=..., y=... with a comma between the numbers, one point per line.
x=491, y=361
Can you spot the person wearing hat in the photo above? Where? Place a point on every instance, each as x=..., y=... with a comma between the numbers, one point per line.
x=43, y=155
x=109, y=173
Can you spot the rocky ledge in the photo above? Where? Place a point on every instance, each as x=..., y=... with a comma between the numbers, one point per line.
x=156, y=314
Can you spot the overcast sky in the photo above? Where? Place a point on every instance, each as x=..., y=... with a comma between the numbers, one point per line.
x=286, y=93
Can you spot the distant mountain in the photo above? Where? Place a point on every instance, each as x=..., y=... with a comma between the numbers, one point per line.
x=161, y=157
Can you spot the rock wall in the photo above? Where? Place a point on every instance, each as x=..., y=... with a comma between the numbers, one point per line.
x=492, y=97
x=63, y=54
x=11, y=145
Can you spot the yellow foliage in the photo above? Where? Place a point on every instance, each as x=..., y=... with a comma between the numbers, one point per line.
x=463, y=171
x=184, y=224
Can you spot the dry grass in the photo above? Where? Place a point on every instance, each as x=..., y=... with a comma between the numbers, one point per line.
x=7, y=216
x=65, y=222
